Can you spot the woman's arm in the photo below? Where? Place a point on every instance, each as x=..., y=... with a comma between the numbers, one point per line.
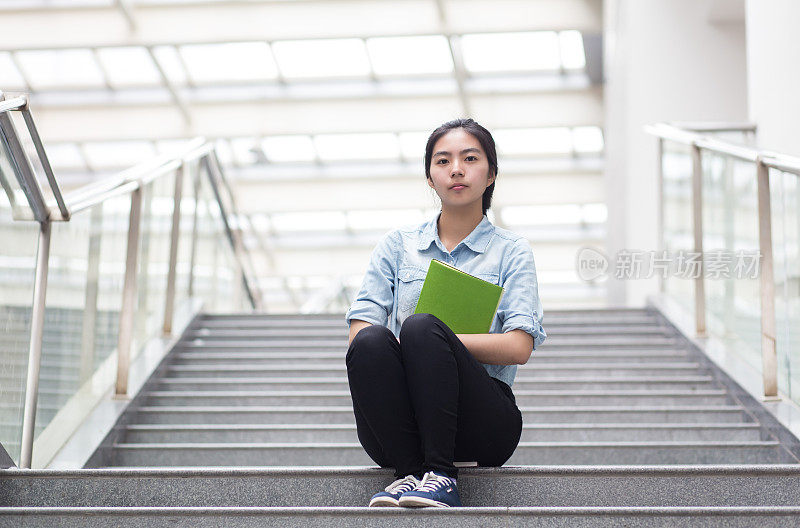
x=512, y=348
x=355, y=326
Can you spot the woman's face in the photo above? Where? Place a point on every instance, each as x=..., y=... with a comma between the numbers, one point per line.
x=459, y=170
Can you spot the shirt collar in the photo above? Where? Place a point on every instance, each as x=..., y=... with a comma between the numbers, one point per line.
x=477, y=240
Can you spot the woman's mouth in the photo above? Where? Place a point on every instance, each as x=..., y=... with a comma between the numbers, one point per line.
x=458, y=187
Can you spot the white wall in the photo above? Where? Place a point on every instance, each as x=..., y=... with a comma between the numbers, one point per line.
x=665, y=60
x=773, y=73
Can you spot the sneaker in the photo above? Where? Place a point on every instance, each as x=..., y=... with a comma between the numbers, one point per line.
x=390, y=495
x=433, y=490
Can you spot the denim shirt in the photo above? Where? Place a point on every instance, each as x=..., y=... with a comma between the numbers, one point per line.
x=399, y=263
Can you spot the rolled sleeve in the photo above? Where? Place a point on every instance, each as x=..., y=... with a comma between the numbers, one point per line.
x=375, y=299
x=520, y=307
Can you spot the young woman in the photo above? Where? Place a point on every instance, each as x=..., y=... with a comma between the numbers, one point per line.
x=423, y=396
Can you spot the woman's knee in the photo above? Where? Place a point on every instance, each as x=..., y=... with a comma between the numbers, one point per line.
x=419, y=324
x=369, y=341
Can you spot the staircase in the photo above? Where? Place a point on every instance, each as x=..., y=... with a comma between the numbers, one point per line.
x=248, y=422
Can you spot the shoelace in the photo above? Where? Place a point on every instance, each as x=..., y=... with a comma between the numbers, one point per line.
x=403, y=485
x=431, y=482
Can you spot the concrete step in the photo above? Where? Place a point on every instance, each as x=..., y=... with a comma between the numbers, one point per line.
x=318, y=345
x=543, y=371
x=304, y=433
x=523, y=397
x=350, y=454
x=344, y=415
x=338, y=357
x=333, y=517
x=340, y=330
x=551, y=486
x=520, y=383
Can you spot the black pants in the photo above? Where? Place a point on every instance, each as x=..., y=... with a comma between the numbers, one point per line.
x=425, y=402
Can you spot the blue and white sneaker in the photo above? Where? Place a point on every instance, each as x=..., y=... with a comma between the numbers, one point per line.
x=433, y=490
x=390, y=495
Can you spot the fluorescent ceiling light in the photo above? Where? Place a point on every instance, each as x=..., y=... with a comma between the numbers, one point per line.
x=9, y=72
x=321, y=58
x=310, y=221
x=511, y=51
x=588, y=139
x=65, y=156
x=70, y=68
x=289, y=148
x=554, y=140
x=573, y=56
x=333, y=147
x=117, y=154
x=130, y=66
x=531, y=215
x=596, y=213
x=236, y=61
x=383, y=219
x=410, y=55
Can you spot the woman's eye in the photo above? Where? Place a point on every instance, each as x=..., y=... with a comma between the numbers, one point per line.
x=472, y=157
x=441, y=160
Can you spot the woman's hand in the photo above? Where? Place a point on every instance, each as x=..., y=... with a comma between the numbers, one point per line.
x=512, y=348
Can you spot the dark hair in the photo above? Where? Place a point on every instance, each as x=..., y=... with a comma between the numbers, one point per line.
x=483, y=136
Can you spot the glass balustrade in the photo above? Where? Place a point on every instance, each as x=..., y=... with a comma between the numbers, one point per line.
x=677, y=217
x=731, y=254
x=17, y=270
x=785, y=201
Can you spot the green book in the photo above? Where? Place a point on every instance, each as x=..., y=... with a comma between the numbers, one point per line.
x=463, y=302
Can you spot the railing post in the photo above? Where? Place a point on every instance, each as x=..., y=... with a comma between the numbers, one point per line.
x=127, y=311
x=35, y=351
x=769, y=359
x=169, y=305
x=697, y=218
x=195, y=175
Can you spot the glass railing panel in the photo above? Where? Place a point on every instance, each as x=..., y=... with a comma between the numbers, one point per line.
x=216, y=277
x=84, y=292
x=731, y=254
x=17, y=272
x=183, y=268
x=678, y=235
x=785, y=201
x=11, y=195
x=154, y=244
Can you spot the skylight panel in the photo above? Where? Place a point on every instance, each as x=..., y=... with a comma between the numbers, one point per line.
x=410, y=55
x=310, y=221
x=117, y=154
x=332, y=147
x=412, y=145
x=130, y=66
x=170, y=61
x=511, y=51
x=236, y=61
x=573, y=56
x=246, y=151
x=289, y=148
x=70, y=68
x=224, y=152
x=9, y=73
x=588, y=139
x=321, y=58
x=521, y=141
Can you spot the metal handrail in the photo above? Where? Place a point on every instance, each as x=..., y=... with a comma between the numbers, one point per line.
x=763, y=161
x=129, y=182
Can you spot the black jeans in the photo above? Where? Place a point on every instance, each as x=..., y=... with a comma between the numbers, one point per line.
x=425, y=402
